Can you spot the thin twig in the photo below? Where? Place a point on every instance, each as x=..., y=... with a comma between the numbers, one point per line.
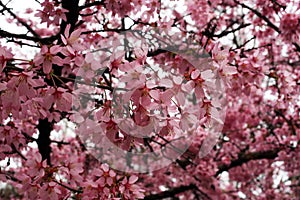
x=68, y=187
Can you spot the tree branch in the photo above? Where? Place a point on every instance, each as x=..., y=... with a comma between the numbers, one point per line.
x=18, y=152
x=48, y=40
x=244, y=158
x=95, y=3
x=171, y=192
x=288, y=121
x=263, y=17
x=67, y=187
x=226, y=32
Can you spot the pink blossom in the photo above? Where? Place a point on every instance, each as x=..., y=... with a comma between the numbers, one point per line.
x=220, y=56
x=4, y=148
x=290, y=27
x=60, y=97
x=134, y=76
x=7, y=134
x=104, y=113
x=107, y=176
x=10, y=100
x=48, y=56
x=36, y=166
x=5, y=55
x=72, y=40
x=48, y=10
x=25, y=84
x=60, y=15
x=141, y=116
x=51, y=14
x=129, y=190
x=85, y=71
x=75, y=169
x=49, y=191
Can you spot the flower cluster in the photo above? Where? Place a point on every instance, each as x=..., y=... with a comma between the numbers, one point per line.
x=202, y=95
x=51, y=13
x=290, y=27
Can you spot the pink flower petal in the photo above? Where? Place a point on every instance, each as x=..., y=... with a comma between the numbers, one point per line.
x=166, y=83
x=133, y=179
x=47, y=66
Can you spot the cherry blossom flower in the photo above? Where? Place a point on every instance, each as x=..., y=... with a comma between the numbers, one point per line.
x=60, y=14
x=61, y=99
x=290, y=27
x=46, y=13
x=10, y=100
x=129, y=190
x=104, y=113
x=5, y=55
x=72, y=40
x=85, y=71
x=7, y=134
x=199, y=81
x=48, y=56
x=134, y=77
x=106, y=176
x=36, y=166
x=25, y=84
x=141, y=116
x=75, y=168
x=49, y=191
x=51, y=14
x=4, y=148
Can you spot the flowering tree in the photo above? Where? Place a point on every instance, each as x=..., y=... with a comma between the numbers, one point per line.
x=150, y=99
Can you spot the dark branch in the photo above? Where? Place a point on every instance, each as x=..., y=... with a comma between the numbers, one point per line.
x=156, y=52
x=95, y=3
x=48, y=40
x=244, y=158
x=67, y=187
x=18, y=152
x=226, y=32
x=297, y=46
x=19, y=42
x=116, y=30
x=4, y=34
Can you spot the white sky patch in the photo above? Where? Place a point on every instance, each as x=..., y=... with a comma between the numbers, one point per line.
x=224, y=180
x=67, y=131
x=19, y=9
x=242, y=195
x=279, y=174
x=270, y=96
